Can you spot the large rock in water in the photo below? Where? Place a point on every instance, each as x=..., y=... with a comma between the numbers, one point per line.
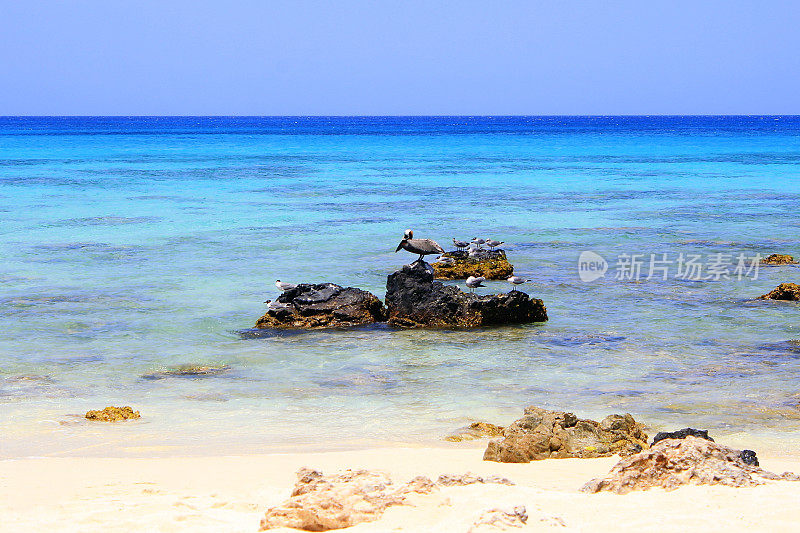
x=323, y=305
x=542, y=434
x=778, y=259
x=691, y=461
x=415, y=300
x=784, y=291
x=491, y=264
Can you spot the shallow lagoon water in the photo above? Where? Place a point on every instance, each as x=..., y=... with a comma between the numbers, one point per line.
x=132, y=244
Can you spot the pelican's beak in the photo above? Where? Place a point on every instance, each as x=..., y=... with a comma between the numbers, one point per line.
x=400, y=246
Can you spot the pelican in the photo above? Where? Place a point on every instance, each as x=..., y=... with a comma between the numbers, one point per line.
x=422, y=247
x=478, y=241
x=516, y=280
x=282, y=285
x=460, y=245
x=491, y=243
x=473, y=282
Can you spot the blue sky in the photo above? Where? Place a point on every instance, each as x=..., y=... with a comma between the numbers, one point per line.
x=398, y=57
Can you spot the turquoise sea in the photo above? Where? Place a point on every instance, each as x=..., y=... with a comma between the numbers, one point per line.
x=130, y=245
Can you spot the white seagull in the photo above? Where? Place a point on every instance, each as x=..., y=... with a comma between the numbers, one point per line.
x=474, y=282
x=491, y=243
x=478, y=241
x=516, y=280
x=282, y=285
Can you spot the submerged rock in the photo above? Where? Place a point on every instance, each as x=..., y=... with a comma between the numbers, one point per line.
x=188, y=371
x=784, y=291
x=778, y=259
x=682, y=434
x=672, y=463
x=476, y=430
x=491, y=264
x=322, y=503
x=542, y=434
x=323, y=305
x=113, y=414
x=415, y=300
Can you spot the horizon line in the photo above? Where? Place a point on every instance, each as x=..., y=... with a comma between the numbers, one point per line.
x=409, y=116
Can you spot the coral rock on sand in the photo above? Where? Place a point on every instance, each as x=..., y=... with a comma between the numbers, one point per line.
x=500, y=519
x=321, y=503
x=491, y=264
x=784, y=291
x=675, y=462
x=113, y=414
x=778, y=259
x=476, y=430
x=542, y=434
x=415, y=300
x=323, y=305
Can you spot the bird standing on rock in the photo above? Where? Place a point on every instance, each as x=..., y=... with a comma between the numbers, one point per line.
x=491, y=243
x=460, y=245
x=516, y=280
x=474, y=282
x=422, y=247
x=478, y=242
x=282, y=285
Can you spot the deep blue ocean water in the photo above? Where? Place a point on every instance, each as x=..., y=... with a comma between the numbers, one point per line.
x=133, y=244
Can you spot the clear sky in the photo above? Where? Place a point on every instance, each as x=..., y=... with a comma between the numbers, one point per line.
x=374, y=57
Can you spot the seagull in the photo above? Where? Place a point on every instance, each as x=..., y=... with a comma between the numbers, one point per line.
x=516, y=280
x=478, y=241
x=491, y=243
x=282, y=285
x=422, y=247
x=446, y=261
x=460, y=245
x=275, y=305
x=473, y=282
x=474, y=254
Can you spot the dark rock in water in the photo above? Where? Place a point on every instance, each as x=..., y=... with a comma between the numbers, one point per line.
x=682, y=434
x=323, y=305
x=691, y=461
x=415, y=300
x=188, y=371
x=542, y=434
x=748, y=457
x=778, y=259
x=113, y=414
x=491, y=264
x=784, y=291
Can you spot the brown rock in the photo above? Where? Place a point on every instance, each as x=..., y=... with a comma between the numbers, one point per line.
x=449, y=480
x=784, y=291
x=542, y=434
x=671, y=463
x=778, y=259
x=323, y=305
x=491, y=264
x=113, y=414
x=322, y=503
x=476, y=430
x=500, y=519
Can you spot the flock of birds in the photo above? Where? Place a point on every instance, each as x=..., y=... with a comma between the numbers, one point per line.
x=425, y=247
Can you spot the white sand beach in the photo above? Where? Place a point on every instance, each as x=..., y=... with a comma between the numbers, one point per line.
x=231, y=493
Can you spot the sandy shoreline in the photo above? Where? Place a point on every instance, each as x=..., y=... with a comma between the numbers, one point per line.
x=231, y=493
